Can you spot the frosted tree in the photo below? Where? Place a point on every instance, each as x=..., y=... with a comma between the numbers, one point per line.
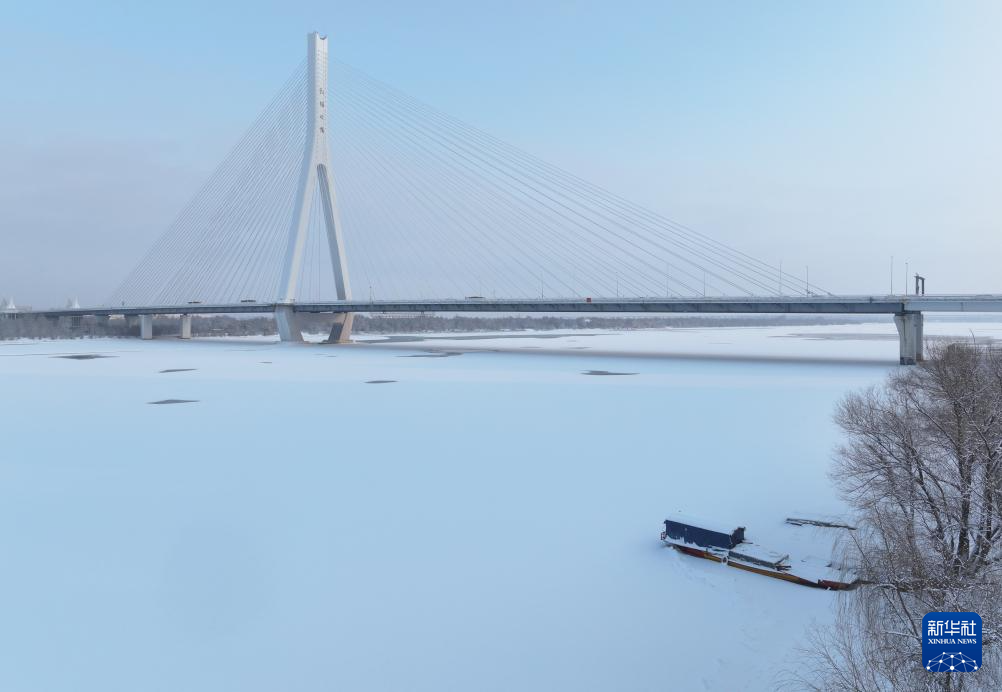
x=921, y=466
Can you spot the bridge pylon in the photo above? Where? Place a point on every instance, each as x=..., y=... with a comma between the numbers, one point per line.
x=314, y=177
x=910, y=336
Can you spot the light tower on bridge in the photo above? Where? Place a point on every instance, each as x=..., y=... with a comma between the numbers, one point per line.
x=313, y=177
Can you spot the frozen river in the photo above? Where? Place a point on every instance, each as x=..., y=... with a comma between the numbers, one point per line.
x=445, y=514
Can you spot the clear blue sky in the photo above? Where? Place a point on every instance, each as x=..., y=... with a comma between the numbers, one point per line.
x=833, y=135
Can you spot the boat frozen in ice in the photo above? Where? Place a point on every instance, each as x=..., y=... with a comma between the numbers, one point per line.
x=727, y=545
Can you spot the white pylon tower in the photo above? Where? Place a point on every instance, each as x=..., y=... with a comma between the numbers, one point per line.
x=315, y=174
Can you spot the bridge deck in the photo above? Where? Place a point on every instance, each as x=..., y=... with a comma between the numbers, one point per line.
x=859, y=305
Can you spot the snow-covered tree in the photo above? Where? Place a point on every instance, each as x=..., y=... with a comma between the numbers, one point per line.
x=921, y=466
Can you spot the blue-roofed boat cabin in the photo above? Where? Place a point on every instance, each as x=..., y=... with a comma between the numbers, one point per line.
x=686, y=530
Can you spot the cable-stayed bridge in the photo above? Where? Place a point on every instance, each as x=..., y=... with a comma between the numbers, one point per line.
x=346, y=195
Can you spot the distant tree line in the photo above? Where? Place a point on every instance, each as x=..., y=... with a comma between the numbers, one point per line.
x=380, y=324
x=39, y=327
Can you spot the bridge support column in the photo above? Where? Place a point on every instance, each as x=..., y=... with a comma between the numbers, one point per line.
x=185, y=326
x=341, y=331
x=910, y=337
x=288, y=325
x=146, y=326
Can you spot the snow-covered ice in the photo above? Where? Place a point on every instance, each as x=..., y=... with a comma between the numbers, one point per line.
x=484, y=521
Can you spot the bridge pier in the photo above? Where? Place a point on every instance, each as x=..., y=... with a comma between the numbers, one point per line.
x=341, y=330
x=288, y=325
x=185, y=326
x=910, y=337
x=146, y=326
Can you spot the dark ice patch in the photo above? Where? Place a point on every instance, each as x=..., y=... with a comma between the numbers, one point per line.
x=606, y=372
x=84, y=356
x=173, y=401
x=379, y=381
x=433, y=354
x=178, y=370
